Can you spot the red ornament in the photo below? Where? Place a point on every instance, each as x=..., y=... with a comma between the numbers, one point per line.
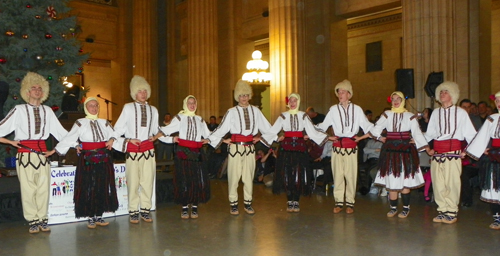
x=3, y=60
x=389, y=99
x=28, y=5
x=80, y=50
x=54, y=108
x=48, y=36
x=286, y=100
x=51, y=12
x=18, y=79
x=58, y=48
x=492, y=97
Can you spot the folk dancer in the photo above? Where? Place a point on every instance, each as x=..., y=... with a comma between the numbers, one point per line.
x=345, y=118
x=243, y=122
x=399, y=166
x=95, y=190
x=191, y=181
x=293, y=172
x=448, y=127
x=139, y=123
x=489, y=161
x=32, y=123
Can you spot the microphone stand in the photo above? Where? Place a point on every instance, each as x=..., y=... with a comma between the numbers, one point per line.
x=107, y=106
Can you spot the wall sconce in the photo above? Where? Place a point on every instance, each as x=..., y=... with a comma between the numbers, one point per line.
x=257, y=73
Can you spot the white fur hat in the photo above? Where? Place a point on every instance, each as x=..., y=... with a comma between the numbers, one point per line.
x=31, y=79
x=344, y=85
x=452, y=89
x=242, y=88
x=139, y=83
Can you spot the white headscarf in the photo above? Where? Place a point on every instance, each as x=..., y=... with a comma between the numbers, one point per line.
x=296, y=110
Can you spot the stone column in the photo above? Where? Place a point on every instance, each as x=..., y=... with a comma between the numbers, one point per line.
x=435, y=38
x=202, y=56
x=286, y=51
x=145, y=44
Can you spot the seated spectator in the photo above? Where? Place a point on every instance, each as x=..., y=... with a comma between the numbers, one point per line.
x=368, y=168
x=265, y=164
x=316, y=117
x=323, y=162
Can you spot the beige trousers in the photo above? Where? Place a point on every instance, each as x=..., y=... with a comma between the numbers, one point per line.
x=35, y=185
x=345, y=173
x=140, y=175
x=445, y=175
x=241, y=165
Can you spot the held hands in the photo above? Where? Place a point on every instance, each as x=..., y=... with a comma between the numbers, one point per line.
x=487, y=151
x=78, y=149
x=256, y=139
x=382, y=139
x=135, y=142
x=176, y=139
x=109, y=144
x=462, y=155
x=227, y=141
x=429, y=151
x=49, y=153
x=205, y=141
x=281, y=138
x=15, y=143
x=306, y=137
x=333, y=138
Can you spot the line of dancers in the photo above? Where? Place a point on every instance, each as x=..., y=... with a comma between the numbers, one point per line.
x=137, y=128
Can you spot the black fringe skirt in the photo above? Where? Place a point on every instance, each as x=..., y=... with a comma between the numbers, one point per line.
x=396, y=155
x=95, y=190
x=293, y=173
x=191, y=181
x=490, y=170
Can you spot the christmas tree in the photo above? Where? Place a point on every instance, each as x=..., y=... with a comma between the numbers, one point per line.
x=37, y=36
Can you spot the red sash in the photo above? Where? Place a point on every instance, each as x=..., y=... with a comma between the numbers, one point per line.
x=190, y=143
x=495, y=143
x=294, y=135
x=241, y=138
x=443, y=146
x=93, y=145
x=38, y=145
x=398, y=135
x=345, y=143
x=143, y=147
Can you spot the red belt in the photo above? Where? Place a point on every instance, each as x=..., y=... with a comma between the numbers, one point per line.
x=398, y=135
x=143, y=147
x=190, y=143
x=93, y=145
x=241, y=138
x=495, y=143
x=345, y=143
x=38, y=145
x=443, y=146
x=294, y=135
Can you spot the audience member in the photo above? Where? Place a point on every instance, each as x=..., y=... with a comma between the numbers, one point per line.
x=316, y=117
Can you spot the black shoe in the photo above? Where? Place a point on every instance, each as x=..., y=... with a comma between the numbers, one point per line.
x=467, y=204
x=249, y=209
x=234, y=210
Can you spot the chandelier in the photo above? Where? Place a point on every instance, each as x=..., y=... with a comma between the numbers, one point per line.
x=257, y=73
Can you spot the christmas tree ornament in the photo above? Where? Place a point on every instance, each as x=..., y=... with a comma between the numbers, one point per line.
x=25, y=36
x=3, y=60
x=88, y=62
x=28, y=5
x=80, y=50
x=51, y=12
x=58, y=48
x=25, y=49
x=39, y=57
x=14, y=97
x=18, y=79
x=63, y=35
x=48, y=36
x=9, y=33
x=71, y=29
x=38, y=16
x=49, y=77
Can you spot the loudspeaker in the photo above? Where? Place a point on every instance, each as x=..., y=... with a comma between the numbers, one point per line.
x=404, y=81
x=434, y=79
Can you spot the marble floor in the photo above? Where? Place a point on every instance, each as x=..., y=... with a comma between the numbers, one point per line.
x=271, y=231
